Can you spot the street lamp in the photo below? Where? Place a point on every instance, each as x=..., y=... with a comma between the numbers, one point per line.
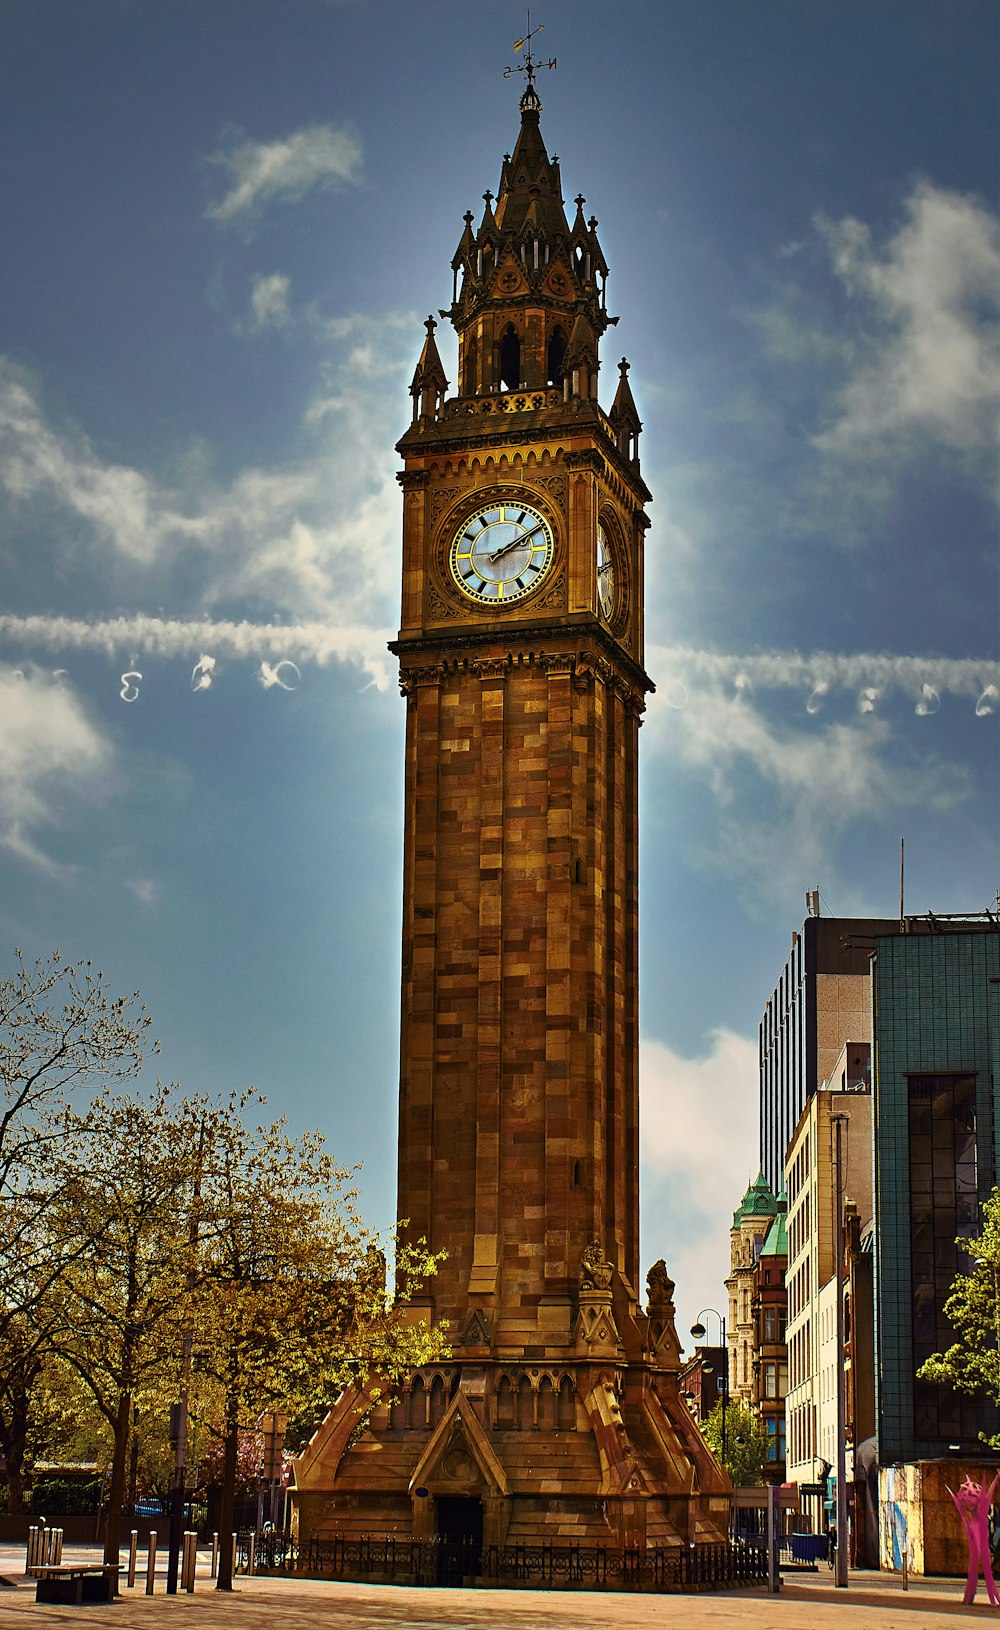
x=698, y=1331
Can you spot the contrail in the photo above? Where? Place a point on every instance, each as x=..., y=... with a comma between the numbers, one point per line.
x=871, y=675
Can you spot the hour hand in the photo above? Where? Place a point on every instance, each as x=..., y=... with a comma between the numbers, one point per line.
x=515, y=543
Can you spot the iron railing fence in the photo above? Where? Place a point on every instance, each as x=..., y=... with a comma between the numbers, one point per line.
x=441, y=1561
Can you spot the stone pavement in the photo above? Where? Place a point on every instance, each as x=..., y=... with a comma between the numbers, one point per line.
x=807, y=1602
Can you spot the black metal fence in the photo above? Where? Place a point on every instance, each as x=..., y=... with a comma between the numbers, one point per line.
x=560, y=1567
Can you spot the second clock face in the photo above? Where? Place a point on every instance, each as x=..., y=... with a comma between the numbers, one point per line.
x=501, y=553
x=605, y=574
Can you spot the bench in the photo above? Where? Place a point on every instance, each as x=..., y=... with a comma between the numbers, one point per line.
x=75, y=1582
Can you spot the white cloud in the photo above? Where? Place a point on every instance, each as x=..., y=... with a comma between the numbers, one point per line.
x=261, y=172
x=316, y=539
x=48, y=751
x=818, y=674
x=782, y=796
x=269, y=302
x=691, y=1179
x=39, y=464
x=928, y=366
x=146, y=890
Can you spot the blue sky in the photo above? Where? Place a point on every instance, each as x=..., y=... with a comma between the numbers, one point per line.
x=223, y=226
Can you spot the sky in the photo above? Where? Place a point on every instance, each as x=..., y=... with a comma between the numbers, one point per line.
x=222, y=228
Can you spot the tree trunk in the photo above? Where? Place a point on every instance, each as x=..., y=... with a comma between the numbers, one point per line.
x=228, y=1501
x=116, y=1495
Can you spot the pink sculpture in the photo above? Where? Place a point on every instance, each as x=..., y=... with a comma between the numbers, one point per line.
x=973, y=1501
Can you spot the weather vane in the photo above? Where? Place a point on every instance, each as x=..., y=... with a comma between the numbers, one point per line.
x=529, y=66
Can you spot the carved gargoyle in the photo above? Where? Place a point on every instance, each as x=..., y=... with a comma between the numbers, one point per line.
x=596, y=1271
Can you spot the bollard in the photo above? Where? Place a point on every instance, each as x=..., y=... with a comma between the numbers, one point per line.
x=215, y=1556
x=251, y=1567
x=133, y=1546
x=233, y=1568
x=189, y=1561
x=31, y=1555
x=151, y=1562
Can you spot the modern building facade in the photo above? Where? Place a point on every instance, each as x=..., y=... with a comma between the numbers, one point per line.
x=820, y=1001
x=936, y=1084
x=559, y=1417
x=812, y=1275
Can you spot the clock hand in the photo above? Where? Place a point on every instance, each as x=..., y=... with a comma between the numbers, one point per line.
x=515, y=543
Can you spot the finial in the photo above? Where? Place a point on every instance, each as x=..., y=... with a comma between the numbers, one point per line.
x=468, y=217
x=530, y=101
x=579, y=200
x=592, y=223
x=488, y=197
x=623, y=367
x=430, y=326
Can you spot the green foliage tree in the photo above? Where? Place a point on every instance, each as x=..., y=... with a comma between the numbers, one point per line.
x=746, y=1442
x=290, y=1302
x=972, y=1363
x=61, y=1033
x=125, y=1174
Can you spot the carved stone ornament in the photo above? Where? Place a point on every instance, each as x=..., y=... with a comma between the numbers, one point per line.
x=659, y=1287
x=477, y=1330
x=596, y=1272
x=491, y=667
x=413, y=480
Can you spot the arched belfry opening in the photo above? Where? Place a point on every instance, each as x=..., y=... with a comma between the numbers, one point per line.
x=510, y=358
x=555, y=353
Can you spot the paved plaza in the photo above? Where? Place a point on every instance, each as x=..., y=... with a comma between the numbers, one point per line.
x=808, y=1601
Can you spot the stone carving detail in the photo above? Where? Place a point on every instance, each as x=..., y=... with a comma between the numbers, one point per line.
x=477, y=1330
x=596, y=1272
x=443, y=497
x=413, y=479
x=438, y=608
x=492, y=667
x=410, y=678
x=659, y=1286
x=555, y=662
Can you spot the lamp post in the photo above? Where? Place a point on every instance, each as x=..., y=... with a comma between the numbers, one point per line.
x=698, y=1331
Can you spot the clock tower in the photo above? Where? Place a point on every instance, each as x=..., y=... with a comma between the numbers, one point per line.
x=521, y=662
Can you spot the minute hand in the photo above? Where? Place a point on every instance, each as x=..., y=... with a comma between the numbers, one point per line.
x=515, y=543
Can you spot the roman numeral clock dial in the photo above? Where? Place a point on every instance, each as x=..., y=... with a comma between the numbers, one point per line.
x=501, y=554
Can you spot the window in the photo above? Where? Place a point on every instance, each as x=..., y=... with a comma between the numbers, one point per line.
x=771, y=1324
x=770, y=1380
x=775, y=1440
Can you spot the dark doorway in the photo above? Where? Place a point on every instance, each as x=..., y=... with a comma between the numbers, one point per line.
x=460, y=1525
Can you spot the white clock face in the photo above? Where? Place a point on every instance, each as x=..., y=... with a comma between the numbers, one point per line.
x=605, y=574
x=501, y=553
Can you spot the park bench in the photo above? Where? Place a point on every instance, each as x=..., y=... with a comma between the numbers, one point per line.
x=75, y=1582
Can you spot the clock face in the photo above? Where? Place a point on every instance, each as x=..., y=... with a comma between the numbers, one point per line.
x=501, y=553
x=605, y=574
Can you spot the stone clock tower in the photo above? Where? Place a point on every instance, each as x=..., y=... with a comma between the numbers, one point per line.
x=521, y=662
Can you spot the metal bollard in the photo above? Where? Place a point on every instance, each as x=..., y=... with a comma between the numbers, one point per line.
x=215, y=1556
x=133, y=1546
x=151, y=1562
x=251, y=1565
x=233, y=1569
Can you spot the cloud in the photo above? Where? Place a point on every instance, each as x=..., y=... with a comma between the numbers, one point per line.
x=210, y=638
x=145, y=889
x=48, y=750
x=821, y=673
x=269, y=302
x=39, y=464
x=691, y=1179
x=781, y=796
x=927, y=363
x=315, y=539
x=262, y=172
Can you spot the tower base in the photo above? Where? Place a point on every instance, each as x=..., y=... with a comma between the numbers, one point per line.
x=582, y=1447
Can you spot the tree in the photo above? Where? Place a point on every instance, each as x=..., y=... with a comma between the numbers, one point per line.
x=61, y=1032
x=746, y=1442
x=972, y=1363
x=124, y=1176
x=290, y=1302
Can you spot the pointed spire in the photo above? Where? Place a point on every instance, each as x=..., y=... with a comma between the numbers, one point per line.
x=488, y=225
x=430, y=383
x=466, y=244
x=624, y=417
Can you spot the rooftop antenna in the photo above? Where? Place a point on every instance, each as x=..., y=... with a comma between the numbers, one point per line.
x=902, y=856
x=529, y=66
